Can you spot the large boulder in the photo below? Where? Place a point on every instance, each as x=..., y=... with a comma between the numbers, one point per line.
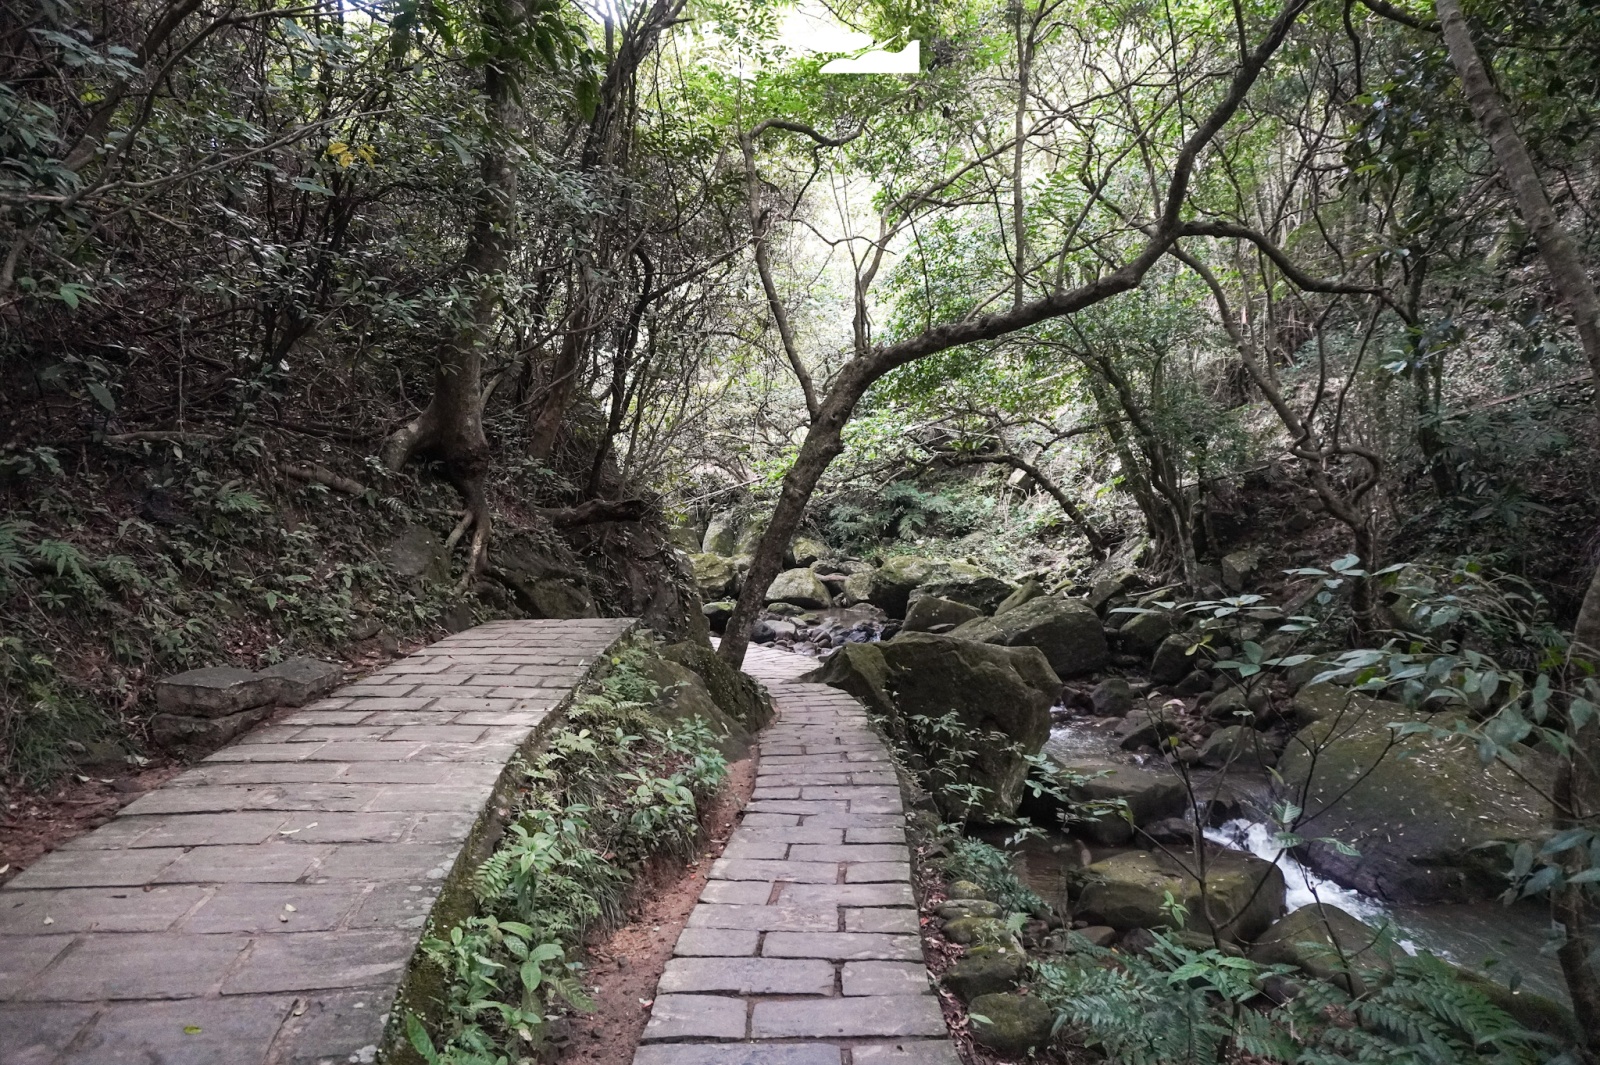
x=930, y=611
x=989, y=689
x=891, y=584
x=964, y=583
x=858, y=668
x=736, y=694
x=1237, y=746
x=551, y=597
x=684, y=696
x=986, y=971
x=714, y=574
x=1239, y=569
x=1424, y=815
x=1144, y=795
x=1143, y=633
x=1244, y=895
x=417, y=552
x=1026, y=591
x=1171, y=661
x=1066, y=630
x=1329, y=944
x=722, y=534
x=800, y=587
x=858, y=587
x=807, y=550
x=1011, y=1025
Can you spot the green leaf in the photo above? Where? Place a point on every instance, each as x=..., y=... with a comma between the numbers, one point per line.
x=102, y=395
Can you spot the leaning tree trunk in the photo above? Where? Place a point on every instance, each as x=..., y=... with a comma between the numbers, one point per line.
x=824, y=440
x=450, y=428
x=1579, y=793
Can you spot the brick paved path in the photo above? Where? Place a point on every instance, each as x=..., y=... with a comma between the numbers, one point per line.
x=803, y=949
x=262, y=907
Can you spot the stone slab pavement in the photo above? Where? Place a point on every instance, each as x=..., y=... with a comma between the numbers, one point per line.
x=262, y=907
x=804, y=946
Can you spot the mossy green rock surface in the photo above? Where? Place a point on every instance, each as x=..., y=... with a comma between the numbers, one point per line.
x=1421, y=812
x=714, y=575
x=857, y=668
x=964, y=583
x=891, y=584
x=1150, y=794
x=989, y=689
x=1143, y=633
x=966, y=889
x=1066, y=630
x=968, y=931
x=736, y=694
x=1026, y=591
x=1129, y=890
x=930, y=611
x=800, y=587
x=1012, y=1025
x=955, y=908
x=1329, y=944
x=986, y=971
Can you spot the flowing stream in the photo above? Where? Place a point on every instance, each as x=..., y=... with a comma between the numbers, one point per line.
x=1493, y=939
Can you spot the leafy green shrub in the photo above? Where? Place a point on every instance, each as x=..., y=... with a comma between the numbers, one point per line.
x=990, y=868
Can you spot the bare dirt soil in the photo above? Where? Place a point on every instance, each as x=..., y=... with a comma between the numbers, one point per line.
x=625, y=963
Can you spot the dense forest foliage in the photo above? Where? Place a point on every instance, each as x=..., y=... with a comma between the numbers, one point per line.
x=331, y=324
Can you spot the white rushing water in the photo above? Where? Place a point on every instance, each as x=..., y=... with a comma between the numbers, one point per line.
x=1304, y=887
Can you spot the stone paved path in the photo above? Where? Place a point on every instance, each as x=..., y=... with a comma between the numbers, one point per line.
x=262, y=907
x=804, y=949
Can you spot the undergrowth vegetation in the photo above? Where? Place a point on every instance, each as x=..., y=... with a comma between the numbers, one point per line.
x=107, y=584
x=613, y=787
x=1175, y=1005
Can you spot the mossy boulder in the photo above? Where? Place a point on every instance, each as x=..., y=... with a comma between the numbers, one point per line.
x=1245, y=894
x=738, y=695
x=1011, y=1025
x=1112, y=697
x=989, y=689
x=1147, y=794
x=685, y=696
x=1170, y=661
x=1143, y=633
x=1238, y=746
x=930, y=611
x=986, y=971
x=967, y=889
x=971, y=931
x=858, y=668
x=963, y=583
x=858, y=587
x=1329, y=944
x=891, y=584
x=801, y=587
x=1066, y=630
x=722, y=534
x=714, y=575
x=1026, y=592
x=956, y=908
x=807, y=550
x=1533, y=1011
x=1424, y=815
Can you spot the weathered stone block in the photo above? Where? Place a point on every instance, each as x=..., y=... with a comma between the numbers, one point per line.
x=302, y=680
x=173, y=730
x=216, y=691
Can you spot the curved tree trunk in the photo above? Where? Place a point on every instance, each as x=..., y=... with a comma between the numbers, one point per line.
x=824, y=440
x=450, y=428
